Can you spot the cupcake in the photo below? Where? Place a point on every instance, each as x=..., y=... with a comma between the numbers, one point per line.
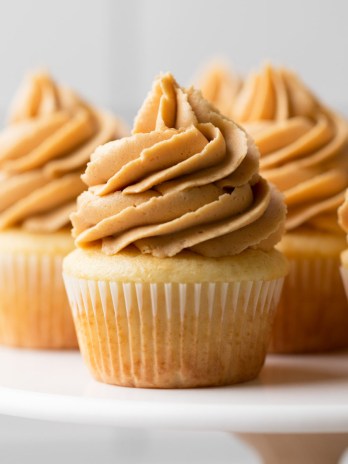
x=303, y=148
x=175, y=278
x=220, y=86
x=43, y=151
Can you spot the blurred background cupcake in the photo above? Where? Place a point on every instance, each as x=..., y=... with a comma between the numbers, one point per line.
x=45, y=146
x=304, y=152
x=303, y=147
x=219, y=85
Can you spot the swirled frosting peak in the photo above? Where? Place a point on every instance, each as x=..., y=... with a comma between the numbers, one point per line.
x=187, y=179
x=220, y=86
x=303, y=145
x=43, y=151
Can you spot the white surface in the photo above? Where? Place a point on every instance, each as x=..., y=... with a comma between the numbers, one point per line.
x=293, y=394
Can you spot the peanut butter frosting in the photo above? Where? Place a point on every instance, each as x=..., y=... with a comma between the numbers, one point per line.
x=187, y=179
x=220, y=86
x=43, y=151
x=303, y=145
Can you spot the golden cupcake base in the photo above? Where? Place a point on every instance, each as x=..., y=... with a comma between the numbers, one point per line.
x=312, y=315
x=173, y=335
x=34, y=310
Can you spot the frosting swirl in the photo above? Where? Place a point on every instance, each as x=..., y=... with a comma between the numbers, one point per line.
x=44, y=149
x=219, y=86
x=303, y=145
x=186, y=179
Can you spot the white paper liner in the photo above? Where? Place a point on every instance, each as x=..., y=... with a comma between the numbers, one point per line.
x=34, y=310
x=313, y=312
x=173, y=334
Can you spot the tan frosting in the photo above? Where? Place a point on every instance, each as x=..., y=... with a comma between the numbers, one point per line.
x=219, y=86
x=303, y=145
x=186, y=179
x=43, y=151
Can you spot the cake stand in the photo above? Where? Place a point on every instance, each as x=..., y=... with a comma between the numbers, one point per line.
x=296, y=412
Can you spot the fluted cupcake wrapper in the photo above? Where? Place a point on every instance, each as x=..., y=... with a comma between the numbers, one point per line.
x=170, y=335
x=34, y=310
x=313, y=312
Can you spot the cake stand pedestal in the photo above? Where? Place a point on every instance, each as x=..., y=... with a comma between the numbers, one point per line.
x=298, y=448
x=296, y=412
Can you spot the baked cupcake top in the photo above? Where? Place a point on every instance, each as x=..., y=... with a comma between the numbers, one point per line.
x=43, y=151
x=187, y=179
x=219, y=85
x=303, y=145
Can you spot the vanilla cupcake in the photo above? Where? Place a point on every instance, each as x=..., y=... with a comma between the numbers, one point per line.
x=175, y=280
x=220, y=86
x=303, y=148
x=43, y=151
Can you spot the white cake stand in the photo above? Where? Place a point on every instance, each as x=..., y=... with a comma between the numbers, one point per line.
x=296, y=412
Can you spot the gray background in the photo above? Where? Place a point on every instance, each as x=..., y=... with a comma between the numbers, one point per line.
x=110, y=51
